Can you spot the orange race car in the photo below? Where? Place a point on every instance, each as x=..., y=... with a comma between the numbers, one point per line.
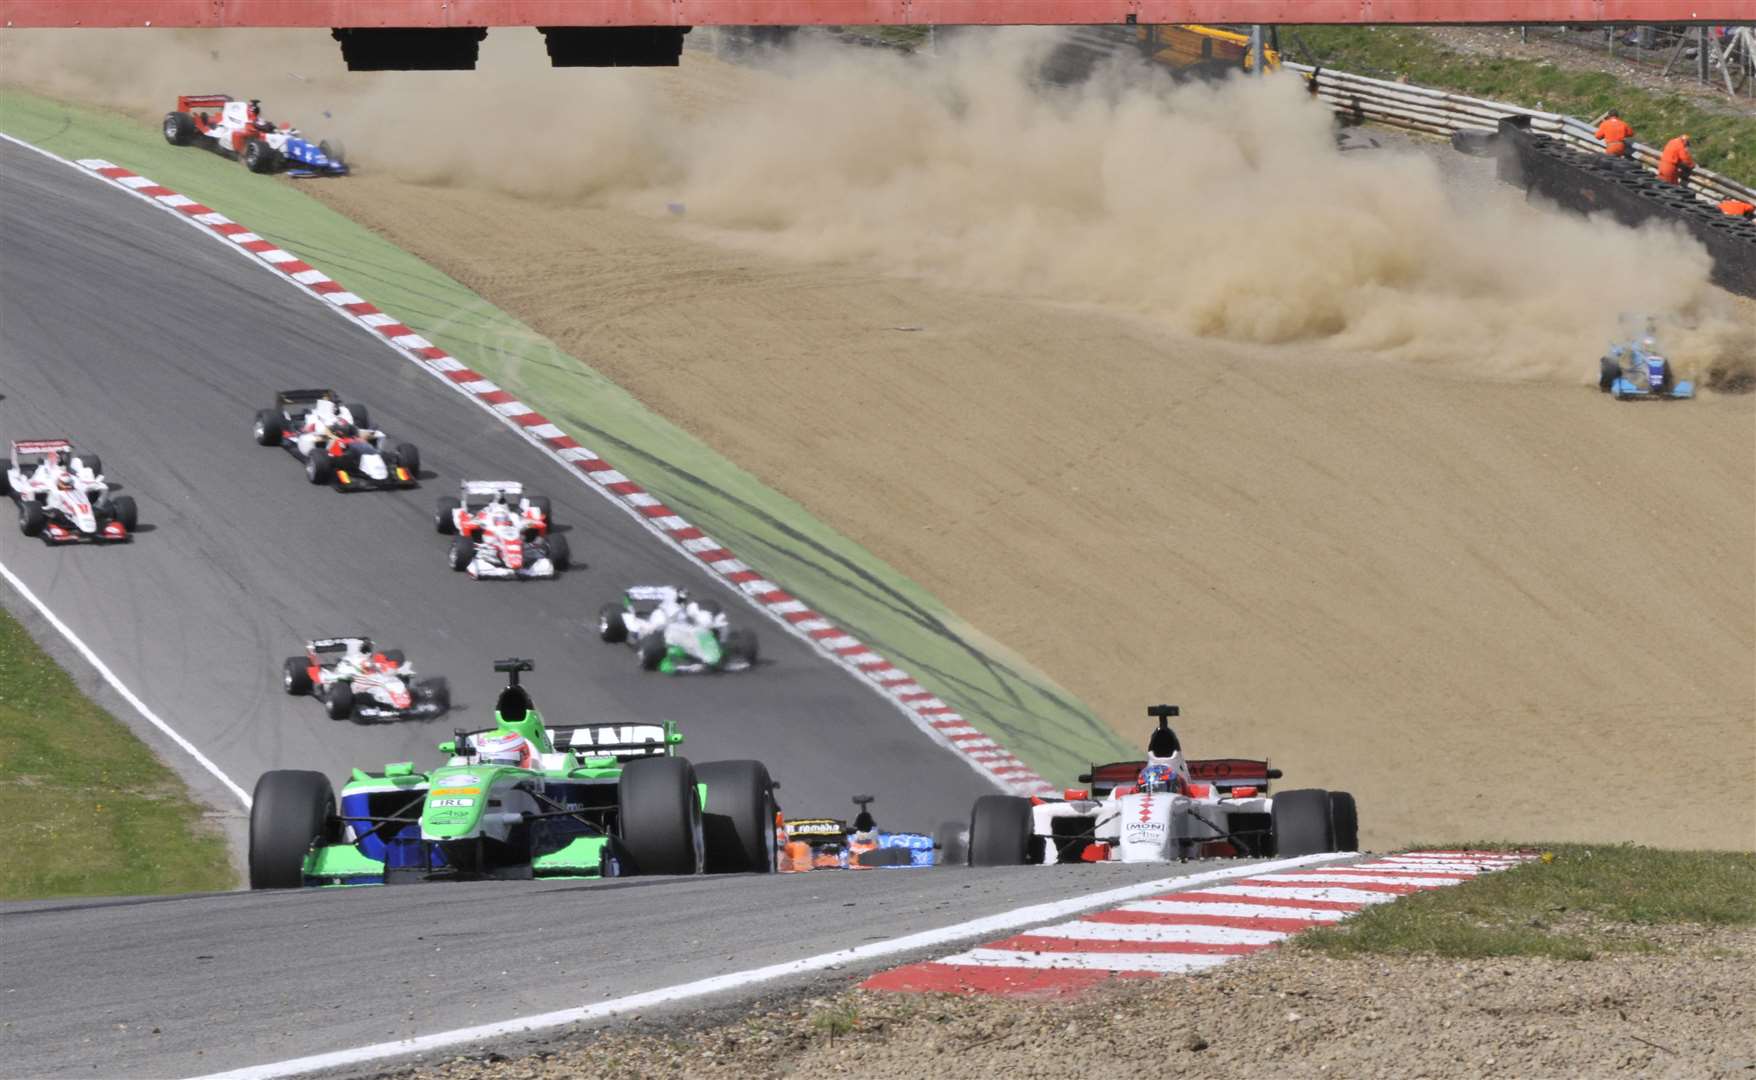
x=833, y=844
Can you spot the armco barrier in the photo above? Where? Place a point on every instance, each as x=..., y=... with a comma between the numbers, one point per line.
x=1591, y=183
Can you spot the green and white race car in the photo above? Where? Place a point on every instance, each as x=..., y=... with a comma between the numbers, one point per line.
x=518, y=801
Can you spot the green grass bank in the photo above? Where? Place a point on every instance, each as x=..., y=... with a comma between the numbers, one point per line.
x=1574, y=903
x=93, y=812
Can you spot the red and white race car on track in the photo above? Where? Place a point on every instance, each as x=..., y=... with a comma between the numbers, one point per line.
x=237, y=129
x=501, y=532
x=62, y=496
x=355, y=679
x=1163, y=809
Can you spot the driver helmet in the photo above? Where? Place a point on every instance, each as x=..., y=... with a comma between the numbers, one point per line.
x=344, y=430
x=254, y=109
x=1617, y=352
x=1158, y=777
x=682, y=596
x=504, y=748
x=64, y=482
x=1649, y=344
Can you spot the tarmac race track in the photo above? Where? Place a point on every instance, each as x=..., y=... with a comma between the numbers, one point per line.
x=192, y=985
x=129, y=332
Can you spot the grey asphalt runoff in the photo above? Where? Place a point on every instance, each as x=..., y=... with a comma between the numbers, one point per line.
x=128, y=332
x=191, y=985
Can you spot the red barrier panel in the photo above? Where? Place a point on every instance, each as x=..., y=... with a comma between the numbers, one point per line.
x=439, y=13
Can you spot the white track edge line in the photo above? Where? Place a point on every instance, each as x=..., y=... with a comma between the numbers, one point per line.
x=1006, y=920
x=919, y=722
x=121, y=688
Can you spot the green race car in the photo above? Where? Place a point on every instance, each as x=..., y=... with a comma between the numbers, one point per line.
x=518, y=801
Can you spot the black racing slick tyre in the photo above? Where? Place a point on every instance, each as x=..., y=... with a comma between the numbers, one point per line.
x=31, y=519
x=340, y=702
x=611, y=628
x=435, y=692
x=738, y=823
x=651, y=650
x=1344, y=821
x=661, y=816
x=560, y=555
x=999, y=831
x=443, y=522
x=740, y=649
x=1301, y=823
x=408, y=455
x=951, y=841
x=290, y=810
x=1608, y=372
x=295, y=676
x=258, y=156
x=179, y=128
x=318, y=469
x=122, y=506
x=463, y=550
x=92, y=462
x=268, y=427
x=362, y=416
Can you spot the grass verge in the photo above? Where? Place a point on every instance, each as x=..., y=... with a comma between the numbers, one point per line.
x=1579, y=901
x=998, y=692
x=1721, y=141
x=93, y=812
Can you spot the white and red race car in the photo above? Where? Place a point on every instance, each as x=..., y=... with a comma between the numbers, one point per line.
x=501, y=532
x=354, y=679
x=62, y=496
x=237, y=129
x=1163, y=809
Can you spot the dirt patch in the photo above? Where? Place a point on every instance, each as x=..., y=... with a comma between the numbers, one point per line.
x=1685, y=1012
x=1361, y=512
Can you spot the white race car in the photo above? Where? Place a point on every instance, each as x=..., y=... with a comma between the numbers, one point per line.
x=672, y=633
x=354, y=679
x=501, y=532
x=62, y=496
x=1163, y=809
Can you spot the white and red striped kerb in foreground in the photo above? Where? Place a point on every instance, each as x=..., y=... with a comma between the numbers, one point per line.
x=1186, y=931
x=928, y=712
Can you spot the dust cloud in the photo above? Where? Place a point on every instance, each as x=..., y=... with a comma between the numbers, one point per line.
x=1227, y=210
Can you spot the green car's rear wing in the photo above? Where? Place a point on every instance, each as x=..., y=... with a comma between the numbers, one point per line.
x=622, y=741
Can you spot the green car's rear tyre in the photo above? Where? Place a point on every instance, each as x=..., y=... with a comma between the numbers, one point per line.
x=738, y=823
x=999, y=831
x=610, y=625
x=290, y=810
x=661, y=816
x=1301, y=823
x=651, y=650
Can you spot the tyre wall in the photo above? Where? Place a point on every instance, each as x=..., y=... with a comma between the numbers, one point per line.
x=1591, y=183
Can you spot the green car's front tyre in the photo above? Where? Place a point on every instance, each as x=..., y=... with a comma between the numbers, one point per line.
x=738, y=823
x=290, y=810
x=660, y=813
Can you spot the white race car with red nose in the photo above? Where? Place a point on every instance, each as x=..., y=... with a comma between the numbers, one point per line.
x=1163, y=809
x=62, y=496
x=501, y=532
x=355, y=680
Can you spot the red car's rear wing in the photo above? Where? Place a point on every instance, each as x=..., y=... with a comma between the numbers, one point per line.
x=1222, y=773
x=192, y=102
